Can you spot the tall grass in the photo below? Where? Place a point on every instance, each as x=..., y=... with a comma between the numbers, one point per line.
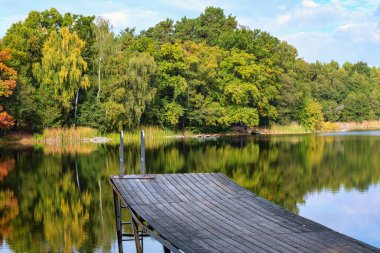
x=151, y=133
x=293, y=128
x=66, y=135
x=364, y=125
x=83, y=134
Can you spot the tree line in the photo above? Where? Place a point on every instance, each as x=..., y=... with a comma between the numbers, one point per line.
x=204, y=74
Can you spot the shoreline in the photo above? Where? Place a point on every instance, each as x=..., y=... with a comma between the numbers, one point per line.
x=28, y=139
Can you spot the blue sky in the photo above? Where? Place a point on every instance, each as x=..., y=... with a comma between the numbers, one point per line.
x=346, y=30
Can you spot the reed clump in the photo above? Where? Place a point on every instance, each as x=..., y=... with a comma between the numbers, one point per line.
x=151, y=133
x=66, y=135
x=293, y=128
x=364, y=125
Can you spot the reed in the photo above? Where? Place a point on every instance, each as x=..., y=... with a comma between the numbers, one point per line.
x=293, y=128
x=151, y=133
x=66, y=135
x=364, y=125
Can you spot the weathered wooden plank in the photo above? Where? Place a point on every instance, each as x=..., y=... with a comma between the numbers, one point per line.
x=249, y=221
x=305, y=237
x=177, y=225
x=261, y=233
x=133, y=192
x=169, y=231
x=260, y=227
x=215, y=235
x=166, y=192
x=165, y=183
x=222, y=226
x=210, y=213
x=257, y=202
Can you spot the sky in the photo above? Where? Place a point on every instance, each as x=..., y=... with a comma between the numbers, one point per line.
x=324, y=30
x=334, y=209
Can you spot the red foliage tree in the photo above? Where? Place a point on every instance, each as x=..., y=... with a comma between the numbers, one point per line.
x=8, y=78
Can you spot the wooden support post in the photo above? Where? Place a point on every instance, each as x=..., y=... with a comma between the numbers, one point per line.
x=118, y=221
x=121, y=151
x=142, y=158
x=137, y=236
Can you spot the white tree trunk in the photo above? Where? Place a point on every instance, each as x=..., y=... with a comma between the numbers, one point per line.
x=100, y=62
x=76, y=107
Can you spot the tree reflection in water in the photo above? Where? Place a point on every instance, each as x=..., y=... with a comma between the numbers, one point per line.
x=59, y=199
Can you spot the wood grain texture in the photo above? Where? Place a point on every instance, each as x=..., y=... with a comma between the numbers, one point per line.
x=208, y=212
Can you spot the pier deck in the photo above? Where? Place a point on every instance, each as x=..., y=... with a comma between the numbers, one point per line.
x=208, y=212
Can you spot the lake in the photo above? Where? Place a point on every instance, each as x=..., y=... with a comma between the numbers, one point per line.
x=58, y=199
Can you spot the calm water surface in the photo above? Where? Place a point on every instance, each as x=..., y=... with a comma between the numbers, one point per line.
x=58, y=199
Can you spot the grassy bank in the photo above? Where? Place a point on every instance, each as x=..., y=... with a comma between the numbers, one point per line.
x=63, y=135
x=86, y=134
x=293, y=128
x=71, y=136
x=151, y=133
x=365, y=125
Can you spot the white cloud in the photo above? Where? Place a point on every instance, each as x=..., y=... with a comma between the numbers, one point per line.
x=284, y=18
x=309, y=3
x=340, y=30
x=361, y=32
x=133, y=17
x=197, y=5
x=306, y=18
x=348, y=43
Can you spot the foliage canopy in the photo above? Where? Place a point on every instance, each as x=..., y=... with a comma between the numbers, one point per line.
x=205, y=73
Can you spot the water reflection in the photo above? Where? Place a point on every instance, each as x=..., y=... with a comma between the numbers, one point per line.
x=58, y=199
x=361, y=222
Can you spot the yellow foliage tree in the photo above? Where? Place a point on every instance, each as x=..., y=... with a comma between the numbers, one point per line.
x=312, y=115
x=63, y=67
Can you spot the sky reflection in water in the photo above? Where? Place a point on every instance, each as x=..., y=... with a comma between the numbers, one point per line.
x=354, y=213
x=332, y=179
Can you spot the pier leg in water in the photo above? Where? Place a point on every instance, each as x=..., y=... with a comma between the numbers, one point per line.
x=137, y=236
x=118, y=221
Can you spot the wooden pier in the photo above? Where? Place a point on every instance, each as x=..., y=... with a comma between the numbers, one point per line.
x=208, y=212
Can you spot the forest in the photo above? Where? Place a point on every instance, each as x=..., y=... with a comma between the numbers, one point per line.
x=205, y=74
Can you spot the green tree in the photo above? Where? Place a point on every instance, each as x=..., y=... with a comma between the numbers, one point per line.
x=241, y=80
x=357, y=107
x=312, y=116
x=207, y=27
x=171, y=83
x=62, y=68
x=103, y=44
x=162, y=32
x=294, y=92
x=25, y=39
x=206, y=73
x=129, y=89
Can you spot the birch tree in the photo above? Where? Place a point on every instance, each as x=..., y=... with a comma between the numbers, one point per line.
x=103, y=42
x=63, y=68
